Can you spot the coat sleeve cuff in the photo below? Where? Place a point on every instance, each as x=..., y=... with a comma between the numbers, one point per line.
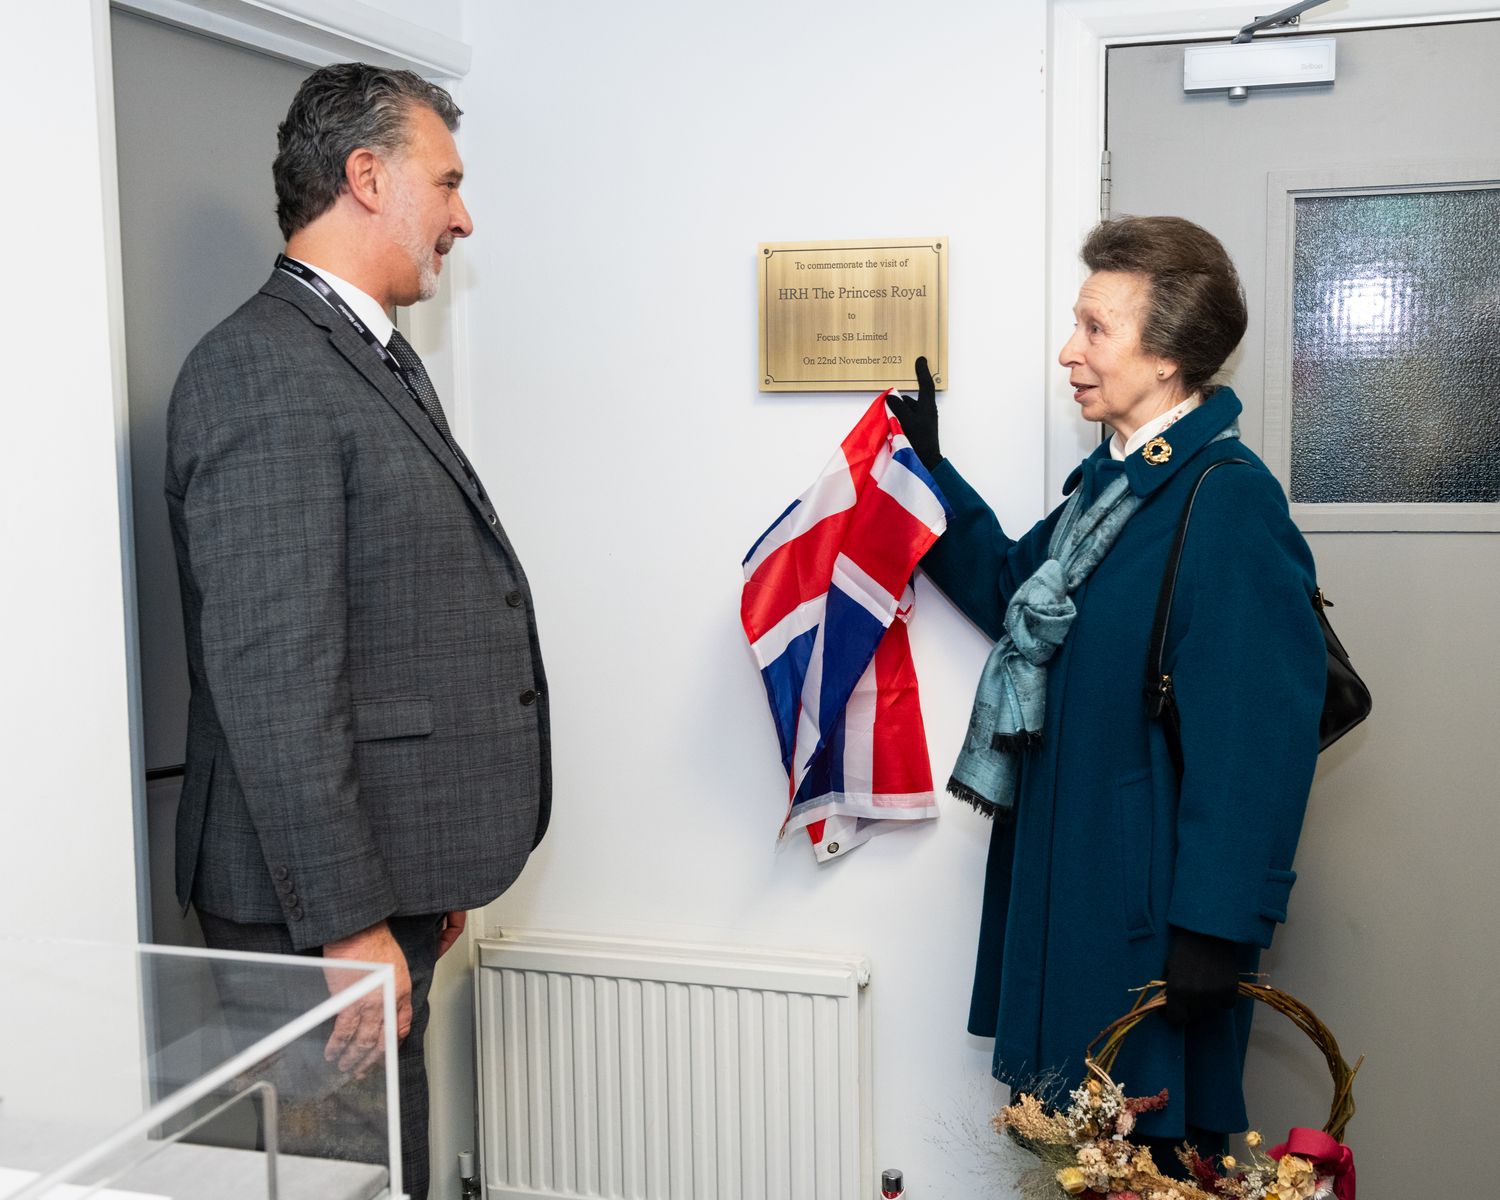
x=1246, y=914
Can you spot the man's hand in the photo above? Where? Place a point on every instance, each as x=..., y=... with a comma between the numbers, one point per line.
x=453, y=928
x=919, y=417
x=1202, y=976
x=356, y=1041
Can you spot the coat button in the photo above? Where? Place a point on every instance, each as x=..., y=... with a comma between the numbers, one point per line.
x=281, y=873
x=528, y=697
x=290, y=899
x=294, y=914
x=494, y=519
x=513, y=599
x=284, y=886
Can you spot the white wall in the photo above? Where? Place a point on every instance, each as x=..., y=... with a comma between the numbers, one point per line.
x=67, y=866
x=624, y=162
x=621, y=169
x=438, y=16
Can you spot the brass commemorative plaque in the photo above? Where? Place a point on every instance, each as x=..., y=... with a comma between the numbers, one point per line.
x=852, y=316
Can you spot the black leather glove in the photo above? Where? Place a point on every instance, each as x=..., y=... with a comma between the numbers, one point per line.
x=919, y=417
x=1202, y=976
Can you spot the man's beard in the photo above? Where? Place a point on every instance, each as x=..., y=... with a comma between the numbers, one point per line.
x=417, y=248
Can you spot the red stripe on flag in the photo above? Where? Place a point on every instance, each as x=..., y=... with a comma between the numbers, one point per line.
x=802, y=569
x=901, y=763
x=866, y=441
x=792, y=574
x=884, y=539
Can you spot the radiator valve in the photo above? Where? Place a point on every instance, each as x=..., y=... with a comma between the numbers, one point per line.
x=468, y=1178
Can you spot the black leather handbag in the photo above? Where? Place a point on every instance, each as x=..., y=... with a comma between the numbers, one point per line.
x=1346, y=701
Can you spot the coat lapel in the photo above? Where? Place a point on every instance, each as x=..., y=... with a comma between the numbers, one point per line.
x=364, y=360
x=1183, y=440
x=1179, y=443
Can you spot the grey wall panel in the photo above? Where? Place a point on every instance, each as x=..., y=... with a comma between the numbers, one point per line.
x=195, y=123
x=1391, y=936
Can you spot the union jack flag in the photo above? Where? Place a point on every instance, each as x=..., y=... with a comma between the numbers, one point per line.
x=827, y=598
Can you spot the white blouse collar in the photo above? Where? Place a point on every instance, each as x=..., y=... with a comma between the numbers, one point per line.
x=1120, y=448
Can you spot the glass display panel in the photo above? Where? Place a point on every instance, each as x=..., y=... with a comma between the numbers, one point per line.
x=160, y=1072
x=1396, y=348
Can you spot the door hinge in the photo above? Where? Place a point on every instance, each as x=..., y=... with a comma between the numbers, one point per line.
x=1106, y=186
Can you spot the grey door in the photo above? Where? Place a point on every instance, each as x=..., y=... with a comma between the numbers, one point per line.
x=195, y=125
x=1364, y=219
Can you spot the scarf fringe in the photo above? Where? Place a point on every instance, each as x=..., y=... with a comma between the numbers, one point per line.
x=1016, y=743
x=961, y=791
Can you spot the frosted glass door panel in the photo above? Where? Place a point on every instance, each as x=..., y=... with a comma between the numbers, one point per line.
x=1395, y=383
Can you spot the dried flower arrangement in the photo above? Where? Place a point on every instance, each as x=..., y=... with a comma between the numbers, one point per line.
x=1085, y=1150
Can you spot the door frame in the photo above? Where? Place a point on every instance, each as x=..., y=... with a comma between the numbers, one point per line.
x=1079, y=36
x=315, y=32
x=312, y=33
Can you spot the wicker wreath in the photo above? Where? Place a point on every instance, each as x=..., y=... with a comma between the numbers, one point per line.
x=1110, y=1039
x=1084, y=1146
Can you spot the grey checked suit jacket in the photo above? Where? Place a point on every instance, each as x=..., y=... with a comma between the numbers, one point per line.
x=368, y=731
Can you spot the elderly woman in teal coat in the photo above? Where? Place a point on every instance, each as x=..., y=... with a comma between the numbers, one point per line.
x=1107, y=869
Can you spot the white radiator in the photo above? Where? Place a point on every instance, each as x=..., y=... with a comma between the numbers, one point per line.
x=633, y=1070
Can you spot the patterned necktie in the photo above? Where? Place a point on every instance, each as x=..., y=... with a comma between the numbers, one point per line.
x=402, y=352
x=400, y=349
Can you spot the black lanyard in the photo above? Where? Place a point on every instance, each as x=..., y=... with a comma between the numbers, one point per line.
x=336, y=302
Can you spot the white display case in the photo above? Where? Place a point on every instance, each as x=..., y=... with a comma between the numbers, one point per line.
x=193, y=1075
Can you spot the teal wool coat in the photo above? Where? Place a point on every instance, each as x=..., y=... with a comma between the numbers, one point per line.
x=1108, y=849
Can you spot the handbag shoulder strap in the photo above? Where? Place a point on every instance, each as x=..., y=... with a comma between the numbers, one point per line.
x=1158, y=683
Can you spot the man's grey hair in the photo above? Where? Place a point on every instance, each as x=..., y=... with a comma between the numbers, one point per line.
x=338, y=110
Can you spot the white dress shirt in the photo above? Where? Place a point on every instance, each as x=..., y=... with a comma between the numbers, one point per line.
x=365, y=306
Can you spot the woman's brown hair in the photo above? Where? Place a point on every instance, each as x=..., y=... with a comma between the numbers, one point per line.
x=1196, y=313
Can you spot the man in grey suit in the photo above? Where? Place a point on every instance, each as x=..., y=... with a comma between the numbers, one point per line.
x=368, y=740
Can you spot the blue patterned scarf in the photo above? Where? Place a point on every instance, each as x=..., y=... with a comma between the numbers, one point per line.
x=1011, y=703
